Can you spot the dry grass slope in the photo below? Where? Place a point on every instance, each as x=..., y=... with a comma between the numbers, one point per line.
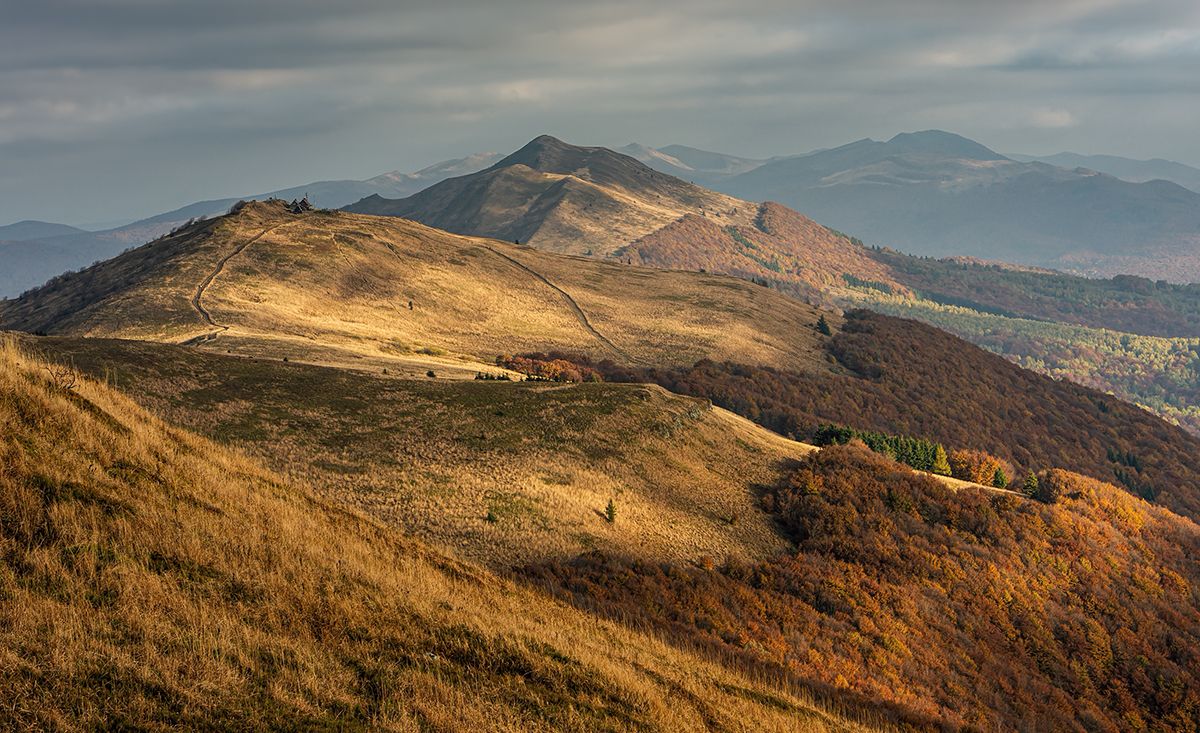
x=336, y=288
x=152, y=579
x=501, y=473
x=562, y=198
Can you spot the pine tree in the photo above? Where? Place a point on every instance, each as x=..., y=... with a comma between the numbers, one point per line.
x=823, y=326
x=610, y=512
x=941, y=466
x=1000, y=480
x=1030, y=488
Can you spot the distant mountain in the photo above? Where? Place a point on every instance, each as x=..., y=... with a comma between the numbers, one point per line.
x=46, y=250
x=29, y=229
x=561, y=197
x=1137, y=171
x=691, y=164
x=936, y=193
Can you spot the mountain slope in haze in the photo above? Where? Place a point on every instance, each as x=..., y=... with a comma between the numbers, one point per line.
x=934, y=193
x=29, y=229
x=691, y=164
x=562, y=198
x=376, y=291
x=154, y=579
x=1129, y=169
x=53, y=251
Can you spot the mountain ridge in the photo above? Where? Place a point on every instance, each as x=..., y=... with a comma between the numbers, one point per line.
x=36, y=260
x=560, y=197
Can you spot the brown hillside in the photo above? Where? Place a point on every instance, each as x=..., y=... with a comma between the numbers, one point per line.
x=784, y=248
x=150, y=579
x=983, y=611
x=900, y=376
x=561, y=198
x=377, y=292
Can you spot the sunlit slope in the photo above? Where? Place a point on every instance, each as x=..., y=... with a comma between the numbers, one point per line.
x=561, y=198
x=151, y=578
x=504, y=473
x=338, y=287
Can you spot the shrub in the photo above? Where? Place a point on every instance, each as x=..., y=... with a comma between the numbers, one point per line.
x=549, y=367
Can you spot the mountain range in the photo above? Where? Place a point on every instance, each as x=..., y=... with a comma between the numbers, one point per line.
x=651, y=467
x=1102, y=332
x=926, y=193
x=542, y=483
x=935, y=193
x=560, y=197
x=1129, y=169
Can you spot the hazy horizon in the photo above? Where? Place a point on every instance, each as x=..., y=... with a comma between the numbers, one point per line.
x=118, y=109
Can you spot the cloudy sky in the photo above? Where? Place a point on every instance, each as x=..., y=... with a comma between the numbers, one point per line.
x=113, y=109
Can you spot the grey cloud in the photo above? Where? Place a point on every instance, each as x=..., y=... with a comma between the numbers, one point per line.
x=137, y=105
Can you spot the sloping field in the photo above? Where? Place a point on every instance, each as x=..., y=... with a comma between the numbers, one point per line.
x=153, y=578
x=370, y=291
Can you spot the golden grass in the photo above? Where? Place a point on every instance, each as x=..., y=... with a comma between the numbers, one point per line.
x=153, y=579
x=335, y=288
x=502, y=473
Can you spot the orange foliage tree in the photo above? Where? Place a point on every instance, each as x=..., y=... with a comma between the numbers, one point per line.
x=977, y=466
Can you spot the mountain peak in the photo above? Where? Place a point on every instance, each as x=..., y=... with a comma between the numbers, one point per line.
x=548, y=154
x=942, y=143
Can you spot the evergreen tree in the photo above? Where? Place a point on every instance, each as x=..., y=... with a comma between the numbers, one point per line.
x=1000, y=480
x=823, y=326
x=941, y=466
x=610, y=512
x=1030, y=488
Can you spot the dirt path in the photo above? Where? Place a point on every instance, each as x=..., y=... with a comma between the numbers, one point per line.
x=199, y=307
x=574, y=306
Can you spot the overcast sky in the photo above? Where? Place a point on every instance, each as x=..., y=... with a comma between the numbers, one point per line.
x=112, y=109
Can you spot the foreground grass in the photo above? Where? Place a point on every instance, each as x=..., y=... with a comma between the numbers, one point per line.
x=151, y=579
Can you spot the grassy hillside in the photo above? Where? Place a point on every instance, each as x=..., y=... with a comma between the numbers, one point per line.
x=980, y=610
x=374, y=292
x=152, y=579
x=561, y=198
x=503, y=473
